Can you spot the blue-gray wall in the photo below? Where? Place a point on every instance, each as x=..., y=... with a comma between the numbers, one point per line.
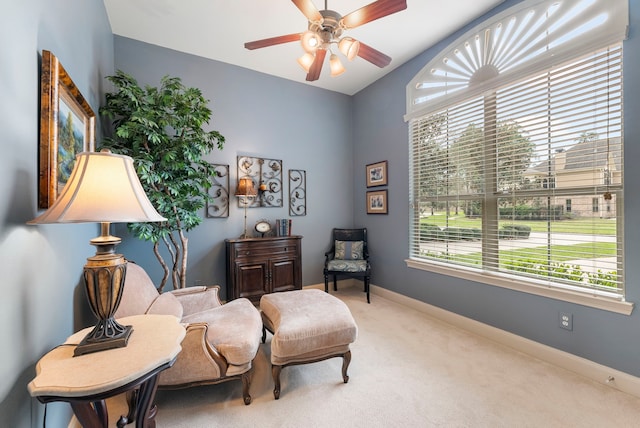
x=380, y=133
x=41, y=265
x=261, y=116
x=246, y=102
x=331, y=136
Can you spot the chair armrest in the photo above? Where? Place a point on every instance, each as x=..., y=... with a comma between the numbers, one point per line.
x=197, y=361
x=198, y=299
x=328, y=255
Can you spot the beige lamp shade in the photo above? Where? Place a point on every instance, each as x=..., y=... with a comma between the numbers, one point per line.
x=103, y=187
x=246, y=187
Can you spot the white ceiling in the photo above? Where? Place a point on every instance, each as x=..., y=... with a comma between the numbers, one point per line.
x=218, y=29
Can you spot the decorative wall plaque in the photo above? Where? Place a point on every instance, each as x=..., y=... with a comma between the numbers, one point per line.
x=267, y=178
x=219, y=192
x=297, y=192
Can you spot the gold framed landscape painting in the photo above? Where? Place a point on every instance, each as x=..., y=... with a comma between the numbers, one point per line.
x=67, y=127
x=377, y=174
x=377, y=202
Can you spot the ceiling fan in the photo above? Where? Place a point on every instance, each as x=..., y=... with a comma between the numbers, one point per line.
x=325, y=28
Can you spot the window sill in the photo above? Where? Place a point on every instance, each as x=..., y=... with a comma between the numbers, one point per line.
x=596, y=299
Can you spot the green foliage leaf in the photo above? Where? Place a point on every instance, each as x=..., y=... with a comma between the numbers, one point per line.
x=162, y=129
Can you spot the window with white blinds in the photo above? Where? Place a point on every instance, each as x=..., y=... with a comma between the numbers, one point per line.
x=526, y=180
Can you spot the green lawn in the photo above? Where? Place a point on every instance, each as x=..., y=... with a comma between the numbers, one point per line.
x=596, y=226
x=526, y=259
x=560, y=253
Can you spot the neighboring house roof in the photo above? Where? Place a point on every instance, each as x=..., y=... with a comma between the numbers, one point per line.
x=583, y=155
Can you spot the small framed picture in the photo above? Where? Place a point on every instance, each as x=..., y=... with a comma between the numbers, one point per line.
x=377, y=202
x=377, y=174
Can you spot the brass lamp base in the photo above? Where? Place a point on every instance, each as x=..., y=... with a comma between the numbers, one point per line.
x=90, y=344
x=104, y=276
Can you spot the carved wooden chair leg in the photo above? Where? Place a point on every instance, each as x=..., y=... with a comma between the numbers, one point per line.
x=246, y=384
x=346, y=360
x=275, y=371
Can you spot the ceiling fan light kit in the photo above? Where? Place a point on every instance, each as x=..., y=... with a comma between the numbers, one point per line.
x=310, y=41
x=336, y=66
x=305, y=61
x=349, y=47
x=325, y=28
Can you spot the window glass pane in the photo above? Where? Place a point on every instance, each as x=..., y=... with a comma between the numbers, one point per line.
x=526, y=179
x=541, y=240
x=451, y=232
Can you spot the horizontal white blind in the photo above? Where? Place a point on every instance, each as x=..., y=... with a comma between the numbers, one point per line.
x=527, y=180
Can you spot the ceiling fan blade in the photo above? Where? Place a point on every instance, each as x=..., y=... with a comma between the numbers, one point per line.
x=374, y=56
x=257, y=44
x=371, y=12
x=308, y=9
x=316, y=67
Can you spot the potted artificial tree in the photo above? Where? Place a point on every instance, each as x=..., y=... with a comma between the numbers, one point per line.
x=162, y=130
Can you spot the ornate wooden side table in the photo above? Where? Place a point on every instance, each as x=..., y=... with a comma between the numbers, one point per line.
x=86, y=381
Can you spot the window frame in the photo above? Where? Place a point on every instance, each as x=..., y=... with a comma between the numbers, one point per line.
x=603, y=300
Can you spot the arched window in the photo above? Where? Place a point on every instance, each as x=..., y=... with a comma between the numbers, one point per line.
x=516, y=118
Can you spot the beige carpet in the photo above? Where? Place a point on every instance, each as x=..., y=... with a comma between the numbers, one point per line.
x=407, y=370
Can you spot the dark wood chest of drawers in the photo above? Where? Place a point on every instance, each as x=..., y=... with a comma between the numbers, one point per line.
x=258, y=266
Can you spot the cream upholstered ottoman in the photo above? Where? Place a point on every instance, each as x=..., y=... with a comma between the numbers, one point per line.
x=307, y=326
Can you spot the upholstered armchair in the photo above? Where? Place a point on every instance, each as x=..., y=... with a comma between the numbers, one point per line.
x=221, y=340
x=348, y=256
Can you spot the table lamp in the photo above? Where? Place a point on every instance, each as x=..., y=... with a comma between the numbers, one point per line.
x=103, y=188
x=245, y=191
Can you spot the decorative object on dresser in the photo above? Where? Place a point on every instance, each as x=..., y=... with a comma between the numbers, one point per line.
x=263, y=227
x=283, y=226
x=90, y=197
x=261, y=266
x=246, y=192
x=67, y=127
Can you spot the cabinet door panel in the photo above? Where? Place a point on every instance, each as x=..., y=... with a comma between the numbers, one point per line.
x=253, y=277
x=283, y=274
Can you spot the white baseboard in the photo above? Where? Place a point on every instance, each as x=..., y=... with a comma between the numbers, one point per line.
x=597, y=372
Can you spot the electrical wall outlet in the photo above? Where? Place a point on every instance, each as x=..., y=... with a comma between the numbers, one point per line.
x=566, y=320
